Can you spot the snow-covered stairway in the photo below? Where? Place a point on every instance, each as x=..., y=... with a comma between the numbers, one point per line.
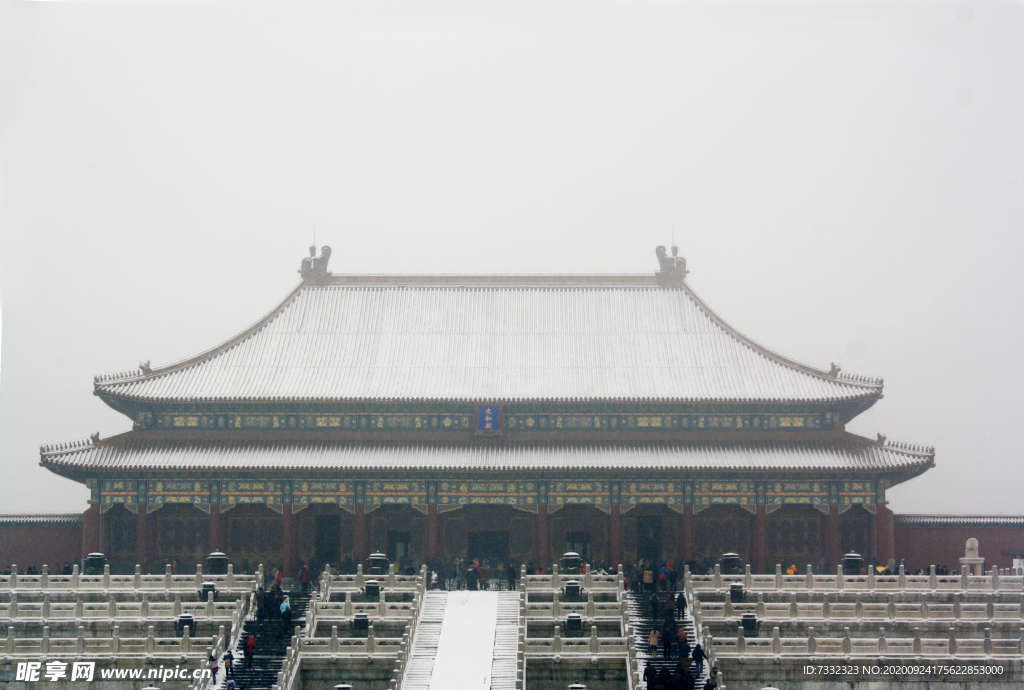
x=506, y=642
x=424, y=644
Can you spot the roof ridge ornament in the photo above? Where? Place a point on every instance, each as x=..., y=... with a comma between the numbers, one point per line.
x=834, y=371
x=672, y=271
x=314, y=268
x=881, y=440
x=145, y=368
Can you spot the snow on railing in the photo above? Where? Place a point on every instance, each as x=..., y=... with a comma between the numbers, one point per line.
x=880, y=646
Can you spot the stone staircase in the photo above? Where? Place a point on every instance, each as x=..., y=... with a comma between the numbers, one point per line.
x=506, y=642
x=641, y=623
x=271, y=643
x=424, y=644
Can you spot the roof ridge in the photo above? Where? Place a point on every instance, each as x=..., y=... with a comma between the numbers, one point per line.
x=834, y=375
x=156, y=372
x=898, y=446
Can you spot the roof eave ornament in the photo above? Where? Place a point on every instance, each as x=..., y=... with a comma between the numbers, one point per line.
x=314, y=268
x=673, y=269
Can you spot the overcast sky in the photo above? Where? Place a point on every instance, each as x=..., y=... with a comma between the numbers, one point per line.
x=845, y=179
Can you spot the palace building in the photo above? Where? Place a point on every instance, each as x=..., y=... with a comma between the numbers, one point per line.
x=507, y=417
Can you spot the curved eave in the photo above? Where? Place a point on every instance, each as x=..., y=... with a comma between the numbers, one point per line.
x=845, y=455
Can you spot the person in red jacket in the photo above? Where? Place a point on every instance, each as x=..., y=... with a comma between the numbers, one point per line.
x=249, y=651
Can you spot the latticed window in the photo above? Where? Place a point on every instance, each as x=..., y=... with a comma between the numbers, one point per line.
x=718, y=534
x=794, y=536
x=853, y=531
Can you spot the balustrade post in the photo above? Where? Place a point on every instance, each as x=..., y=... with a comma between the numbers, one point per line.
x=115, y=640
x=776, y=640
x=556, y=642
x=871, y=578
x=80, y=641
x=198, y=581
x=952, y=641
x=794, y=610
x=74, y=576
x=79, y=607
x=760, y=605
x=12, y=608
x=741, y=641
x=112, y=607
x=10, y=639
x=809, y=579
x=44, y=578
x=957, y=606
x=847, y=642
x=748, y=578
x=209, y=604
x=716, y=580
x=556, y=607
x=46, y=606
x=176, y=610
x=106, y=576
x=812, y=642
x=144, y=607
x=917, y=640
x=903, y=576
x=14, y=576
x=335, y=645
x=891, y=610
x=840, y=578
x=883, y=643
x=168, y=581
x=186, y=640
x=370, y=641
x=591, y=609
x=593, y=639
x=45, y=644
x=988, y=642
x=933, y=579
x=778, y=576
x=826, y=607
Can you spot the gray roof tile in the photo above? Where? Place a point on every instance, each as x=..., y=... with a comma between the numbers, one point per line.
x=577, y=339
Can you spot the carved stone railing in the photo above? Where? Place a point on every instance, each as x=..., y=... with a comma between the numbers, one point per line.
x=874, y=647
x=995, y=580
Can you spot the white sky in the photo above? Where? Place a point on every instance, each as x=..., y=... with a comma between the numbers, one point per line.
x=845, y=179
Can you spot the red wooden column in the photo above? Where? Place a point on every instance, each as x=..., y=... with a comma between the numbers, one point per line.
x=432, y=529
x=761, y=539
x=141, y=537
x=834, y=543
x=543, y=552
x=91, y=530
x=884, y=541
x=216, y=529
x=287, y=541
x=359, y=538
x=615, y=536
x=687, y=535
